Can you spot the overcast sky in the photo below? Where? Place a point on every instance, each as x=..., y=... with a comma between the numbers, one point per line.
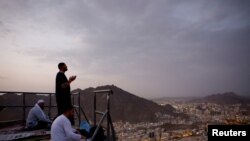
x=152, y=48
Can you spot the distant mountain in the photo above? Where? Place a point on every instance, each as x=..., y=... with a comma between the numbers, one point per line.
x=124, y=105
x=224, y=99
x=166, y=100
x=169, y=107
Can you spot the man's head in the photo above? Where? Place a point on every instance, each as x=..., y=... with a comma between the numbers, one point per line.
x=62, y=67
x=69, y=111
x=41, y=103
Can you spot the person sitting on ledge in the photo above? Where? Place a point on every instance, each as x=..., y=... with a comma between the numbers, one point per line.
x=61, y=129
x=37, y=119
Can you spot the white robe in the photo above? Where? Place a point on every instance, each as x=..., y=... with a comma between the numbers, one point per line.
x=36, y=114
x=61, y=130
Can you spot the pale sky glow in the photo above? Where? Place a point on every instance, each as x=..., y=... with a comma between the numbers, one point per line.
x=153, y=48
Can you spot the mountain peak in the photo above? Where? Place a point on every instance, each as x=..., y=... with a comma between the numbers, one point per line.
x=230, y=94
x=224, y=98
x=125, y=106
x=225, y=94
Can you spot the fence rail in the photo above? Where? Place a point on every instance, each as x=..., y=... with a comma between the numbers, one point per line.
x=24, y=105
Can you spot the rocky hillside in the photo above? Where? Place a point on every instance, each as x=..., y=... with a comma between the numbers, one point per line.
x=124, y=105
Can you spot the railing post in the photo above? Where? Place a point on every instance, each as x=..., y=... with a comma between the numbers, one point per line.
x=79, y=108
x=49, y=106
x=24, y=108
x=106, y=115
x=94, y=109
x=108, y=122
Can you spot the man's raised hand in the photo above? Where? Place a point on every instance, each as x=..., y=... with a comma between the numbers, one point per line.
x=72, y=78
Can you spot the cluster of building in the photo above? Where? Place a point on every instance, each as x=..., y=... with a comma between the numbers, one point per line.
x=214, y=113
x=170, y=128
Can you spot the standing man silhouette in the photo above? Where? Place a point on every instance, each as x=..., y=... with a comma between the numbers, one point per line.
x=63, y=94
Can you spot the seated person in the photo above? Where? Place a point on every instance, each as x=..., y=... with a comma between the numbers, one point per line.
x=61, y=129
x=36, y=118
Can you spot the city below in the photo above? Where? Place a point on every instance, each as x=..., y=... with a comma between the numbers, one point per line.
x=193, y=128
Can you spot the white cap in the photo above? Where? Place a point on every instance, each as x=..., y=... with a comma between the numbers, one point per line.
x=40, y=101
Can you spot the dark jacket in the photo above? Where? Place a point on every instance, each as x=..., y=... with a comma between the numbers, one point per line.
x=63, y=95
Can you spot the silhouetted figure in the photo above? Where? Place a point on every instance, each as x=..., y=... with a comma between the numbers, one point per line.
x=63, y=94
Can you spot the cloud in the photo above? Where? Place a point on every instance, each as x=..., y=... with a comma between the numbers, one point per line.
x=3, y=77
x=162, y=47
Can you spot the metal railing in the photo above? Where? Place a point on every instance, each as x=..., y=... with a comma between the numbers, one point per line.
x=106, y=114
x=24, y=105
x=79, y=107
x=79, y=110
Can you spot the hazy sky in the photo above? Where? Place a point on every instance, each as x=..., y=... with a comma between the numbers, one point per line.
x=152, y=48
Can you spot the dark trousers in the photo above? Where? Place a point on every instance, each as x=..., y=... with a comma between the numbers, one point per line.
x=62, y=103
x=41, y=125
